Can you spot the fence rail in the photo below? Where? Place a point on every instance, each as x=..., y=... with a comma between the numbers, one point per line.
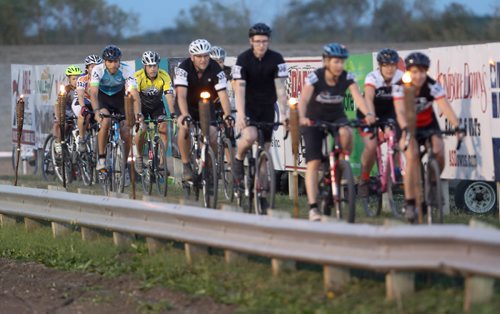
x=448, y=248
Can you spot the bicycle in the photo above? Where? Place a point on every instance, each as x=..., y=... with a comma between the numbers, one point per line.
x=112, y=177
x=68, y=155
x=204, y=165
x=430, y=178
x=155, y=158
x=338, y=192
x=386, y=179
x=225, y=154
x=48, y=170
x=87, y=160
x=259, y=181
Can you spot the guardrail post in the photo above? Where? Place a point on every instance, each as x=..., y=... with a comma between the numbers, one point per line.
x=88, y=234
x=231, y=256
x=478, y=289
x=279, y=265
x=194, y=251
x=398, y=284
x=120, y=238
x=7, y=220
x=154, y=245
x=31, y=224
x=60, y=229
x=334, y=277
x=85, y=191
x=55, y=188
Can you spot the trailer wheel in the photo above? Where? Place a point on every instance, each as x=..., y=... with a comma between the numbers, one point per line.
x=478, y=197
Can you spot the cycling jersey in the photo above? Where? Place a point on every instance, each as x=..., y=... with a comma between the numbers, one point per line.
x=83, y=84
x=227, y=70
x=327, y=102
x=384, y=105
x=70, y=95
x=259, y=75
x=111, y=84
x=213, y=80
x=151, y=91
x=430, y=91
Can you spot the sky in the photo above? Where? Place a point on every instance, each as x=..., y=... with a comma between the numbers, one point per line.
x=158, y=14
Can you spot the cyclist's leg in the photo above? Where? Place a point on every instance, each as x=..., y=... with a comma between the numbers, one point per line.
x=313, y=140
x=345, y=135
x=367, y=161
x=411, y=178
x=438, y=149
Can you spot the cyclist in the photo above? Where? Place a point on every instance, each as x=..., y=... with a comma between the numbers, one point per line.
x=378, y=96
x=322, y=99
x=193, y=76
x=427, y=91
x=81, y=104
x=107, y=95
x=219, y=55
x=152, y=84
x=72, y=73
x=260, y=74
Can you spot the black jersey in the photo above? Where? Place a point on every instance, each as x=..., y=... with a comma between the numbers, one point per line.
x=259, y=75
x=213, y=80
x=327, y=102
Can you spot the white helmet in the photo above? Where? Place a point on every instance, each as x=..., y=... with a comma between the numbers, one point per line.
x=199, y=47
x=150, y=58
x=217, y=53
x=92, y=59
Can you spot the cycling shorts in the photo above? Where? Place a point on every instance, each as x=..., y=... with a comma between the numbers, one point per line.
x=114, y=103
x=313, y=140
x=77, y=109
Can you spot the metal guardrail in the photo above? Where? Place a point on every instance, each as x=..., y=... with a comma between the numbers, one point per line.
x=447, y=248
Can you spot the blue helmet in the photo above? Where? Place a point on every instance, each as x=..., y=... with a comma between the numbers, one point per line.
x=111, y=53
x=335, y=50
x=387, y=56
x=417, y=59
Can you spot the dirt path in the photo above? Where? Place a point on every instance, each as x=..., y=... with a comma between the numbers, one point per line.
x=34, y=288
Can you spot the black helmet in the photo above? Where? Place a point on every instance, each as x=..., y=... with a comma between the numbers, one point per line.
x=335, y=50
x=417, y=59
x=259, y=29
x=387, y=56
x=111, y=53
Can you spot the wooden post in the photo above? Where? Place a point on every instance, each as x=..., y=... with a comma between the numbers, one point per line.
x=20, y=123
x=334, y=277
x=120, y=238
x=31, y=224
x=398, y=284
x=56, y=188
x=154, y=245
x=194, y=252
x=232, y=257
x=60, y=229
x=279, y=265
x=88, y=234
x=6, y=220
x=478, y=289
x=445, y=188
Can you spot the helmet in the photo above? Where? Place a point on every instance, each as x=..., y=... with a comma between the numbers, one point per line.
x=111, y=53
x=259, y=29
x=335, y=50
x=92, y=59
x=199, y=47
x=73, y=70
x=217, y=53
x=387, y=56
x=150, y=58
x=417, y=59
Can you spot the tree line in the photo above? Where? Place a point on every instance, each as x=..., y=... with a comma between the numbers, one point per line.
x=227, y=22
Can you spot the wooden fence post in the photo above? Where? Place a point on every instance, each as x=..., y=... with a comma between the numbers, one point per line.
x=334, y=277
x=279, y=265
x=232, y=257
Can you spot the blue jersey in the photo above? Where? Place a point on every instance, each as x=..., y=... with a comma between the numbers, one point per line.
x=111, y=84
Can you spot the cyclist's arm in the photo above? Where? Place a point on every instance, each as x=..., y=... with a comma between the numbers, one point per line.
x=359, y=100
x=170, y=102
x=94, y=91
x=137, y=101
x=239, y=95
x=369, y=97
x=279, y=84
x=448, y=112
x=224, y=101
x=182, y=100
x=399, y=107
x=305, y=98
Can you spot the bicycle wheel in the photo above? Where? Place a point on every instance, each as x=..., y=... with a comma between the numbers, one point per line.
x=209, y=179
x=161, y=168
x=226, y=159
x=373, y=203
x=265, y=185
x=347, y=195
x=48, y=172
x=148, y=170
x=118, y=169
x=57, y=160
x=105, y=177
x=433, y=192
x=86, y=164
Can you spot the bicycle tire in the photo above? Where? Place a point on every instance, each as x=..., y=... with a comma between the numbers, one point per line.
x=347, y=193
x=148, y=171
x=161, y=168
x=86, y=165
x=373, y=203
x=265, y=185
x=48, y=172
x=119, y=163
x=433, y=193
x=58, y=162
x=209, y=179
x=225, y=164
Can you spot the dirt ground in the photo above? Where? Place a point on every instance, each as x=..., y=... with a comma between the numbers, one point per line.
x=34, y=288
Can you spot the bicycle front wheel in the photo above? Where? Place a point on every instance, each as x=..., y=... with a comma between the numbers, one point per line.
x=161, y=171
x=226, y=160
x=147, y=176
x=265, y=185
x=59, y=160
x=118, y=171
x=86, y=164
x=209, y=179
x=346, y=200
x=433, y=193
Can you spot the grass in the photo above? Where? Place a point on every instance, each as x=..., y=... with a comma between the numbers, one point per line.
x=249, y=284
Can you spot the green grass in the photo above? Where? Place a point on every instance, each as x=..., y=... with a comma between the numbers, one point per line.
x=249, y=284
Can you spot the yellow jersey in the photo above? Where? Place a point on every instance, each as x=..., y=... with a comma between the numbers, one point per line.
x=151, y=91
